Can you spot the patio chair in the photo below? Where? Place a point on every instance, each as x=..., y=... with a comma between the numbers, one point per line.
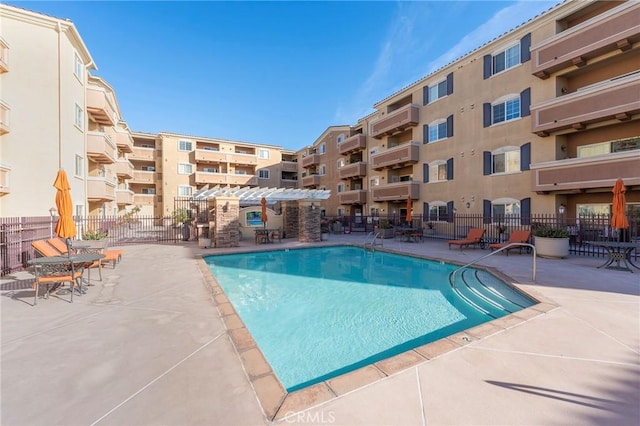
x=53, y=275
x=276, y=235
x=60, y=246
x=474, y=236
x=110, y=256
x=416, y=234
x=517, y=236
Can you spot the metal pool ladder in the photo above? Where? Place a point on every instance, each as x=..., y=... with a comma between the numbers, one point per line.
x=375, y=240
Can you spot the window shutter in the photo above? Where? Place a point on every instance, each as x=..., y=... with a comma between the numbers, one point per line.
x=525, y=211
x=487, y=66
x=425, y=173
x=525, y=156
x=450, y=126
x=486, y=211
x=486, y=114
x=450, y=83
x=425, y=211
x=525, y=46
x=425, y=133
x=425, y=95
x=525, y=102
x=450, y=211
x=450, y=169
x=486, y=163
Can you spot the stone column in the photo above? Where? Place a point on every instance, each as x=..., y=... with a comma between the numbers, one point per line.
x=290, y=220
x=309, y=221
x=224, y=225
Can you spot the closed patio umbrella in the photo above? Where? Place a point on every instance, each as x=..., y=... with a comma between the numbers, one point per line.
x=619, y=218
x=65, y=227
x=409, y=207
x=263, y=202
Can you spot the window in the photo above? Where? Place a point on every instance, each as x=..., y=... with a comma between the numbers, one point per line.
x=438, y=171
x=185, y=168
x=79, y=210
x=263, y=174
x=505, y=111
x=149, y=191
x=437, y=130
x=602, y=148
x=322, y=170
x=506, y=211
x=185, y=145
x=79, y=117
x=340, y=162
x=241, y=172
x=149, y=168
x=438, y=211
x=506, y=59
x=341, y=137
x=79, y=171
x=437, y=91
x=340, y=187
x=263, y=154
x=374, y=151
x=185, y=191
x=341, y=211
x=78, y=67
x=506, y=160
x=210, y=170
x=322, y=149
x=374, y=181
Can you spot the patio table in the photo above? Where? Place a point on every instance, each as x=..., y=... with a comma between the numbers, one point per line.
x=617, y=252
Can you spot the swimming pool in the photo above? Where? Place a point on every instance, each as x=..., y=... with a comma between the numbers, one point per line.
x=317, y=313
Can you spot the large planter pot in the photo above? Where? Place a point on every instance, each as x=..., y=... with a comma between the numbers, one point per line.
x=204, y=242
x=553, y=248
x=386, y=232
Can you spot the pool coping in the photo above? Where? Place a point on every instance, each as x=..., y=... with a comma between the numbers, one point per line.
x=278, y=404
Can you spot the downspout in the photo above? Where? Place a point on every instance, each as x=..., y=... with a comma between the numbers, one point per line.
x=59, y=99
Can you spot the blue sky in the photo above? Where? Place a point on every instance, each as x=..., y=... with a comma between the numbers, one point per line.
x=277, y=73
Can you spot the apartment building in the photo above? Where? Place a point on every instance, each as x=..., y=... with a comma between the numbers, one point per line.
x=546, y=115
x=168, y=165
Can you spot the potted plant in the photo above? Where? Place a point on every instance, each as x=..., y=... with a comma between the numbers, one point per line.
x=551, y=242
x=386, y=228
x=97, y=236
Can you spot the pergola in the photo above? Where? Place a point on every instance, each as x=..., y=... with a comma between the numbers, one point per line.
x=252, y=195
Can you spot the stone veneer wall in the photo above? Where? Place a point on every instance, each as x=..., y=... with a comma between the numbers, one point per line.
x=225, y=225
x=309, y=221
x=290, y=220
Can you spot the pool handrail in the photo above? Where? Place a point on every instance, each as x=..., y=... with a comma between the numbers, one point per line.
x=452, y=276
x=376, y=236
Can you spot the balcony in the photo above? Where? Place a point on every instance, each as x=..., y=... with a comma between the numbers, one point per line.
x=4, y=56
x=310, y=160
x=100, y=148
x=353, y=170
x=143, y=176
x=5, y=187
x=396, y=157
x=124, y=169
x=289, y=166
x=354, y=143
x=582, y=174
x=352, y=197
x=144, y=199
x=288, y=183
x=207, y=156
x=124, y=141
x=398, y=191
x=242, y=159
x=100, y=108
x=209, y=178
x=395, y=121
x=100, y=189
x=4, y=118
x=142, y=154
x=615, y=29
x=313, y=180
x=613, y=99
x=124, y=196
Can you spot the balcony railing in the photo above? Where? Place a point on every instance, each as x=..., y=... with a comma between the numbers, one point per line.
x=201, y=178
x=353, y=170
x=354, y=143
x=143, y=176
x=614, y=29
x=100, y=108
x=352, y=197
x=100, y=189
x=311, y=160
x=313, y=180
x=289, y=166
x=209, y=156
x=124, y=141
x=124, y=169
x=144, y=199
x=142, y=154
x=395, y=121
x=288, y=183
x=100, y=148
x=397, y=156
x=613, y=99
x=579, y=174
x=396, y=191
x=124, y=196
x=4, y=119
x=242, y=159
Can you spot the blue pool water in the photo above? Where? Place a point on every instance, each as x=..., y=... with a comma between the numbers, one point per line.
x=320, y=312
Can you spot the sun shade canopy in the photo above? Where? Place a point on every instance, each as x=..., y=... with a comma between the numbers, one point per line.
x=253, y=195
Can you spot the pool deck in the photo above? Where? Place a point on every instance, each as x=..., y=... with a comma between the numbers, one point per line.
x=154, y=344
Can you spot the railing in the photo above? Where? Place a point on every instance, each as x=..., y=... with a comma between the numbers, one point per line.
x=374, y=236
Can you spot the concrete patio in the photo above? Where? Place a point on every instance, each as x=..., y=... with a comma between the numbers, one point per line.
x=149, y=346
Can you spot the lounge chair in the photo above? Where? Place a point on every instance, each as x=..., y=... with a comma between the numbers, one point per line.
x=58, y=247
x=517, y=236
x=110, y=256
x=474, y=236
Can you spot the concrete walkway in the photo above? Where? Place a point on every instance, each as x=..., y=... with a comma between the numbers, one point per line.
x=147, y=346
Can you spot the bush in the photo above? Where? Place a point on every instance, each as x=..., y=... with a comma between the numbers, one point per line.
x=550, y=232
x=98, y=234
x=385, y=224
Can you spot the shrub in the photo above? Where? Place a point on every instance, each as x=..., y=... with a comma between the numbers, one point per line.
x=385, y=224
x=550, y=232
x=98, y=234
